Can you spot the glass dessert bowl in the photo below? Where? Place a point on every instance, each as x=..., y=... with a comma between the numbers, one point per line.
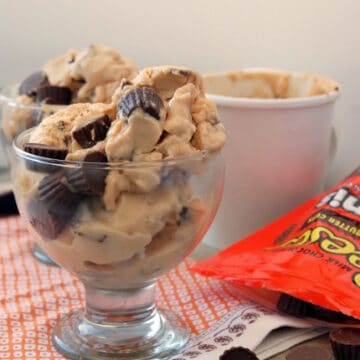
x=15, y=117
x=88, y=76
x=118, y=244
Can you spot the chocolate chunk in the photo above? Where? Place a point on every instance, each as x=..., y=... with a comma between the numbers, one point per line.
x=53, y=207
x=309, y=352
x=299, y=308
x=174, y=176
x=238, y=353
x=32, y=83
x=125, y=83
x=48, y=151
x=48, y=101
x=96, y=156
x=145, y=98
x=49, y=94
x=184, y=214
x=163, y=136
x=96, y=130
x=88, y=179
x=181, y=72
x=56, y=195
x=46, y=223
x=345, y=343
x=60, y=125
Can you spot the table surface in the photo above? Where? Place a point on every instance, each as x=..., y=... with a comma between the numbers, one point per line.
x=203, y=251
x=8, y=207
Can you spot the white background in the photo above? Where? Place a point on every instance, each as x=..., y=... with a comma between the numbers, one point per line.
x=321, y=36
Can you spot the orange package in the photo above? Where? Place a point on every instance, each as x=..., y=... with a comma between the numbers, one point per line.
x=312, y=254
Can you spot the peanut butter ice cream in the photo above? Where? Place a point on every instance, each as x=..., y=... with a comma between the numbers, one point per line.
x=88, y=76
x=123, y=204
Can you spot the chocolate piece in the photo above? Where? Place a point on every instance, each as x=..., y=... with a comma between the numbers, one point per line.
x=49, y=94
x=48, y=101
x=87, y=179
x=174, y=176
x=46, y=223
x=184, y=214
x=57, y=196
x=95, y=157
x=309, y=352
x=125, y=83
x=238, y=353
x=162, y=137
x=96, y=130
x=32, y=83
x=299, y=308
x=345, y=343
x=51, y=152
x=53, y=207
x=145, y=98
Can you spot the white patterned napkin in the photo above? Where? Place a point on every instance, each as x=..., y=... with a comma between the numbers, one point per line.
x=249, y=325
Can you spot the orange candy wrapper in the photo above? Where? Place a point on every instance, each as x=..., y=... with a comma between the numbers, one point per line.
x=312, y=253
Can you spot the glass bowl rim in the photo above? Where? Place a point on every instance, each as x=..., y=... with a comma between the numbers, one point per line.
x=13, y=102
x=116, y=165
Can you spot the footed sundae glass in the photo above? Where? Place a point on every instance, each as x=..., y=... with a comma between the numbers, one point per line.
x=15, y=117
x=118, y=243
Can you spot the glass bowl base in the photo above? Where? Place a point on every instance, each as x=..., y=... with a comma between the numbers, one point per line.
x=41, y=256
x=76, y=338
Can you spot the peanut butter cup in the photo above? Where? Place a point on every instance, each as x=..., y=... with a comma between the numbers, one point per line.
x=49, y=94
x=47, y=151
x=94, y=131
x=53, y=207
x=86, y=179
x=345, y=343
x=31, y=85
x=145, y=98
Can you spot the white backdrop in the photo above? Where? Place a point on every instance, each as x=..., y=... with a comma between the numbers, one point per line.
x=309, y=35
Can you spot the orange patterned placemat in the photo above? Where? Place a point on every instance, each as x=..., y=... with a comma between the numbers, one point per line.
x=33, y=296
